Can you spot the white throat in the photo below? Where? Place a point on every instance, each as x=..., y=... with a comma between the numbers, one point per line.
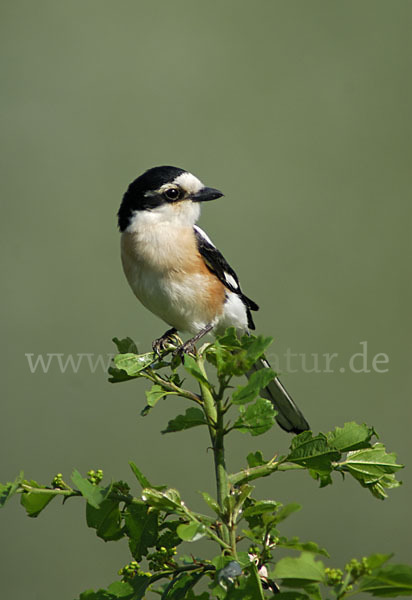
x=178, y=214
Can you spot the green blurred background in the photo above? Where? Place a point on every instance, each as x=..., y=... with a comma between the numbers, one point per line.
x=300, y=112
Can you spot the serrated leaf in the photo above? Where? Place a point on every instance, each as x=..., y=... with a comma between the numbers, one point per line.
x=193, y=368
x=373, y=468
x=313, y=452
x=257, y=381
x=118, y=376
x=193, y=417
x=255, y=346
x=351, y=436
x=168, y=500
x=229, y=338
x=141, y=524
x=371, y=463
x=7, y=490
x=144, y=482
x=93, y=493
x=35, y=502
x=388, y=582
x=191, y=532
x=168, y=536
x=303, y=569
x=106, y=519
x=125, y=345
x=133, y=364
x=257, y=418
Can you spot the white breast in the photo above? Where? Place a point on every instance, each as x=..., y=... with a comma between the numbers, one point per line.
x=164, y=270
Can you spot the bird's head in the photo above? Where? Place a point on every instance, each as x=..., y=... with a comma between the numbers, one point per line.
x=167, y=193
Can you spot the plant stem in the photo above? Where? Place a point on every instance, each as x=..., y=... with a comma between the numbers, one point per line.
x=214, y=414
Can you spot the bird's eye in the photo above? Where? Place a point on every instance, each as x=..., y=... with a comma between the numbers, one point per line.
x=172, y=194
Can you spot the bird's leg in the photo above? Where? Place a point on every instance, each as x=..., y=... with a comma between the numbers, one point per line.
x=160, y=343
x=190, y=344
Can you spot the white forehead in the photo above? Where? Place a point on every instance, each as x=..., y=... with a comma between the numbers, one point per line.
x=188, y=182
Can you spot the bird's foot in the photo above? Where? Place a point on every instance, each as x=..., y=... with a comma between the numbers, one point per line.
x=186, y=348
x=169, y=338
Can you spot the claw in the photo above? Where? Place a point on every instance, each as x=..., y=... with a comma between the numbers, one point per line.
x=186, y=348
x=160, y=344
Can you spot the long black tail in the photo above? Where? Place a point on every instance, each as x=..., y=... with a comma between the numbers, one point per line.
x=289, y=416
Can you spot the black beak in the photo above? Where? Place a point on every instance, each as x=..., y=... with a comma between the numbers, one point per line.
x=206, y=194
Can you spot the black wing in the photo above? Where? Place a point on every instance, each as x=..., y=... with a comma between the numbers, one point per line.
x=218, y=265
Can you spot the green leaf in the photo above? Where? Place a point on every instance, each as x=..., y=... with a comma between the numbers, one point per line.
x=35, y=502
x=140, y=583
x=106, y=519
x=257, y=418
x=287, y=510
x=232, y=356
x=229, y=339
x=126, y=345
x=168, y=500
x=211, y=502
x=255, y=459
x=371, y=463
x=168, y=537
x=180, y=585
x=133, y=364
x=141, y=524
x=313, y=453
x=193, y=417
x=144, y=482
x=388, y=582
x=118, y=376
x=9, y=489
x=257, y=381
x=296, y=572
x=255, y=347
x=153, y=395
x=259, y=507
x=193, y=368
x=120, y=589
x=351, y=437
x=99, y=595
x=377, y=560
x=373, y=468
x=191, y=532
x=295, y=544
x=93, y=493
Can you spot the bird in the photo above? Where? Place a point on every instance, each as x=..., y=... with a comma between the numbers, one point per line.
x=177, y=273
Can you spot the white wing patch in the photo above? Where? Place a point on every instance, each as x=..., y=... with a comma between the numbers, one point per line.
x=229, y=278
x=231, y=281
x=204, y=235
